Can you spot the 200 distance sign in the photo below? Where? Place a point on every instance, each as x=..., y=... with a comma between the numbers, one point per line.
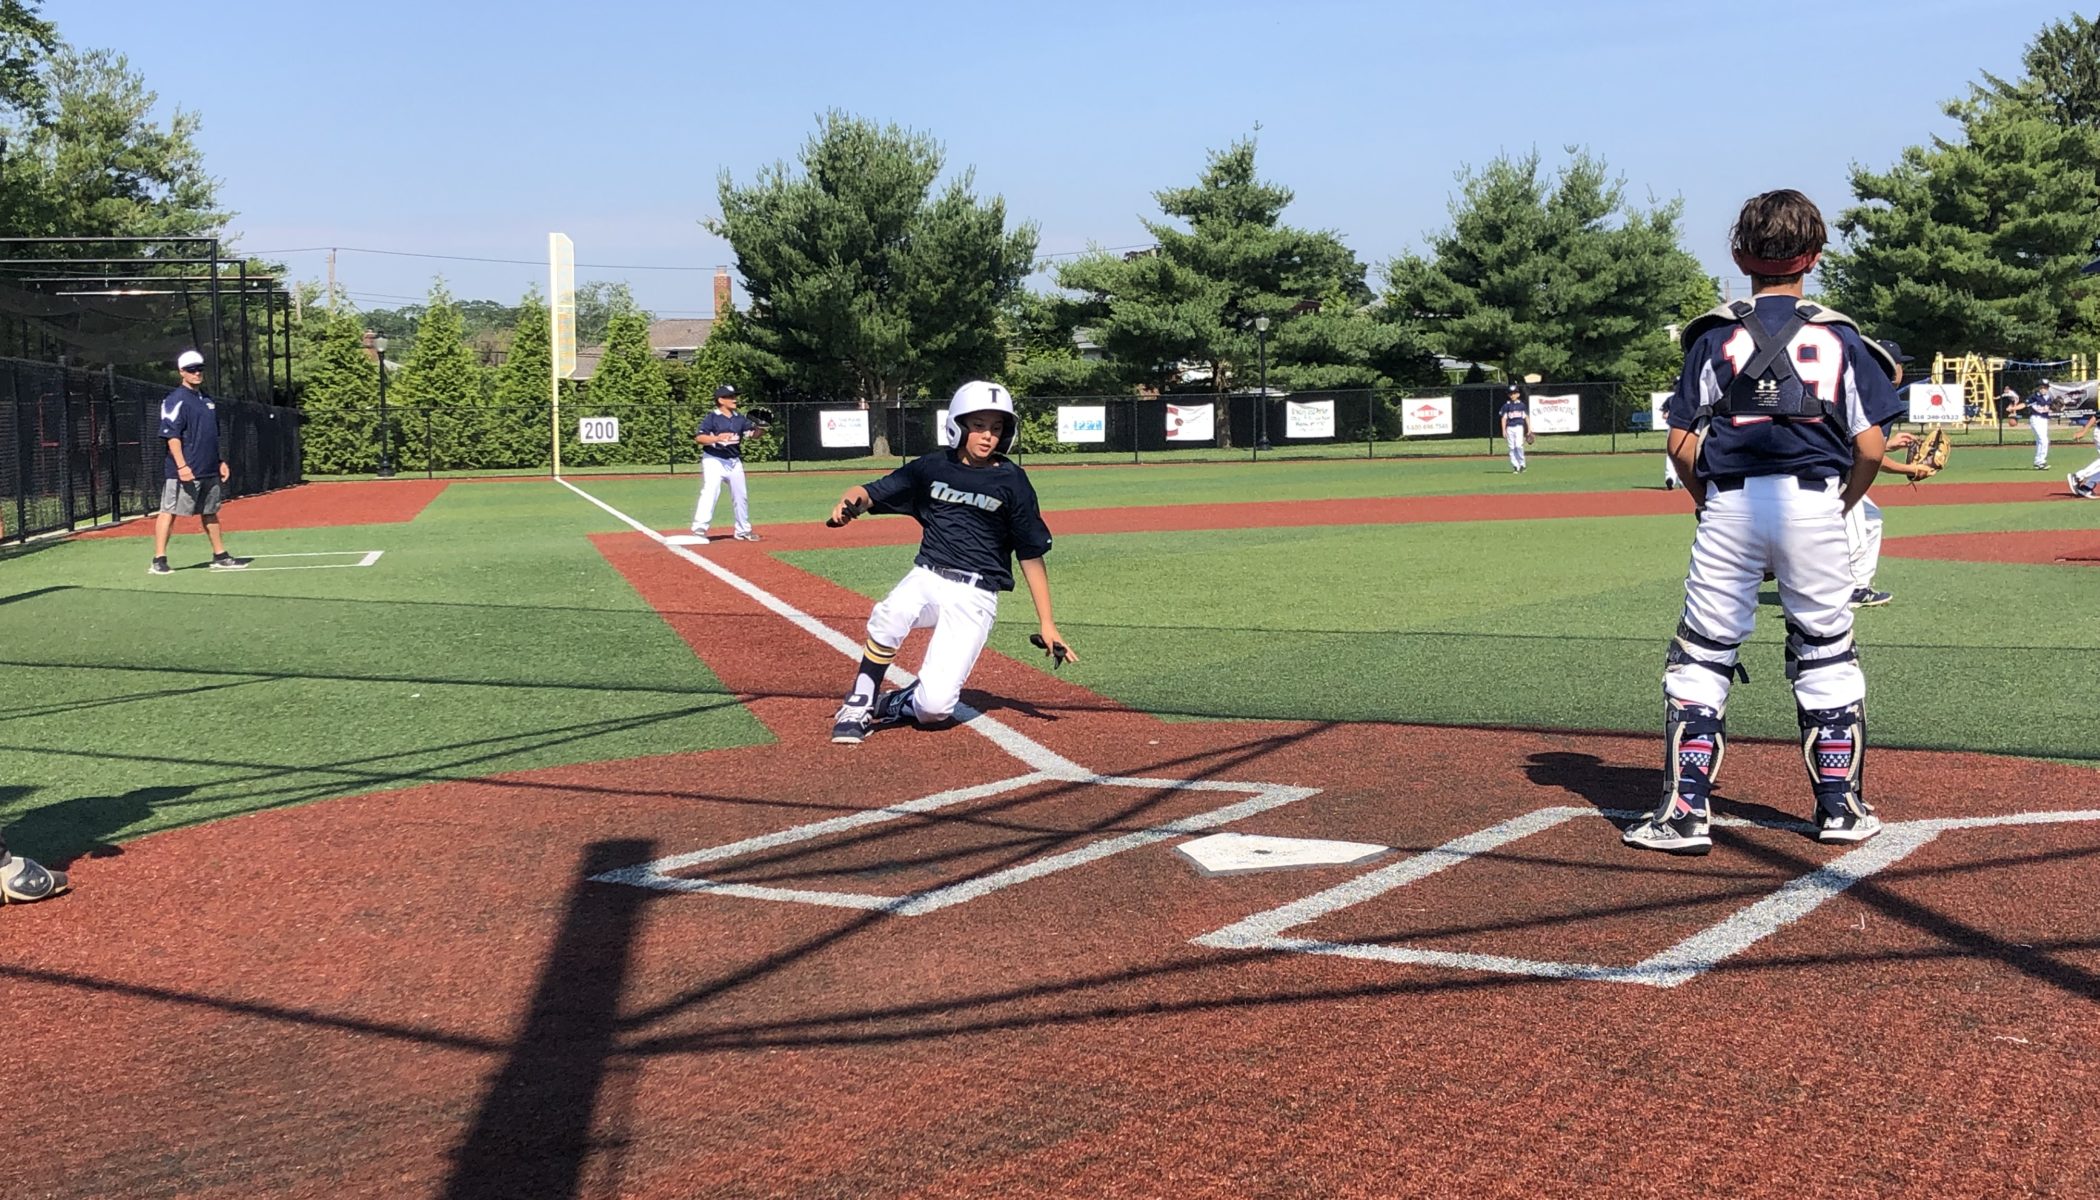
x=598, y=430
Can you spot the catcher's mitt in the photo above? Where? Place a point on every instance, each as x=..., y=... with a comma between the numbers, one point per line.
x=1930, y=451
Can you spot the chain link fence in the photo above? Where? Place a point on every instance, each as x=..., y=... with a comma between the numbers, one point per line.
x=1578, y=418
x=80, y=447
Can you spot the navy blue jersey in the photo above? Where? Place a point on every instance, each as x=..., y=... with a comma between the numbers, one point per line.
x=2038, y=405
x=970, y=518
x=193, y=419
x=1516, y=413
x=720, y=422
x=1830, y=360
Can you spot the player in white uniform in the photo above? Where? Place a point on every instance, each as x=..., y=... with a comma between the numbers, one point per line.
x=2085, y=482
x=2039, y=405
x=1516, y=416
x=1776, y=430
x=1863, y=521
x=977, y=513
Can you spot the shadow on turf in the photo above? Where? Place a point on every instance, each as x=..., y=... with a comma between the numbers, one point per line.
x=61, y=833
x=532, y=1134
x=1610, y=787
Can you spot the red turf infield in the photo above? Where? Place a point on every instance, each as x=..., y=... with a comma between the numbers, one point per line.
x=309, y=506
x=414, y=994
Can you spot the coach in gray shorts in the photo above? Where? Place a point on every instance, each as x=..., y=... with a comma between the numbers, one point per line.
x=193, y=474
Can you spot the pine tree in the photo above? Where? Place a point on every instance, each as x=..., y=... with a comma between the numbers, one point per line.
x=440, y=390
x=341, y=395
x=1974, y=244
x=517, y=426
x=627, y=385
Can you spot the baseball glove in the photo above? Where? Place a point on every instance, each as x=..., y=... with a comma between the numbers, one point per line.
x=1930, y=451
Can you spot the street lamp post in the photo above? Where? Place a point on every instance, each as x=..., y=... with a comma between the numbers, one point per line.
x=386, y=461
x=1261, y=342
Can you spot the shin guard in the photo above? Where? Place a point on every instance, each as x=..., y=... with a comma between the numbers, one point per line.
x=1694, y=742
x=1834, y=746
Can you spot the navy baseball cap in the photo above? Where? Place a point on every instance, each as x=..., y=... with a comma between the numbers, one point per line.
x=1895, y=351
x=2091, y=268
x=724, y=391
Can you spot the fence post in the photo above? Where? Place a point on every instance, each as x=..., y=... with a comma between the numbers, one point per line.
x=14, y=401
x=429, y=448
x=65, y=441
x=116, y=474
x=1370, y=425
x=787, y=437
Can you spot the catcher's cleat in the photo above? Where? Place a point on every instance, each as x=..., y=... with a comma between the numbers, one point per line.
x=746, y=537
x=23, y=881
x=1869, y=598
x=1848, y=826
x=894, y=708
x=1676, y=829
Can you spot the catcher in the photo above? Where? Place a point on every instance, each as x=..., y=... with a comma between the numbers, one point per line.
x=1927, y=457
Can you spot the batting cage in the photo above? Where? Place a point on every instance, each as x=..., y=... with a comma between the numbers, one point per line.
x=89, y=332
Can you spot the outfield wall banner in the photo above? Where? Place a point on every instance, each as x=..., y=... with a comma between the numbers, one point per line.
x=1192, y=423
x=1079, y=423
x=843, y=427
x=1936, y=403
x=940, y=426
x=1556, y=414
x=1425, y=416
x=1310, y=419
x=1656, y=420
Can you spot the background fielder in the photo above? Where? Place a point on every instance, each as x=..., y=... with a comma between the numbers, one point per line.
x=1776, y=429
x=977, y=512
x=1863, y=520
x=721, y=440
x=1516, y=417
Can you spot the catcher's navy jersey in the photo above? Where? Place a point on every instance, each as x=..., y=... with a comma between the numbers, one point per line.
x=736, y=423
x=971, y=518
x=1831, y=360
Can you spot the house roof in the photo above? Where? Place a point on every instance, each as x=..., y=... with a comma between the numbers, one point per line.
x=687, y=333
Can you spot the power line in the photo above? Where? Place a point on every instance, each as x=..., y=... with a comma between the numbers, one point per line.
x=521, y=262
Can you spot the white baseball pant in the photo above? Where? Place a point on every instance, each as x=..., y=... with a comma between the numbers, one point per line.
x=961, y=617
x=712, y=472
x=2041, y=440
x=1515, y=438
x=1863, y=535
x=1796, y=529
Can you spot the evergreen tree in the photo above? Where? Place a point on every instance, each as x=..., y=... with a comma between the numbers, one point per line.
x=627, y=385
x=518, y=429
x=439, y=390
x=1554, y=275
x=1975, y=243
x=340, y=384
x=863, y=282
x=1195, y=300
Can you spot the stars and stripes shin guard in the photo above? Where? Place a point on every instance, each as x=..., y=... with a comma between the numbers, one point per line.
x=1834, y=745
x=1694, y=742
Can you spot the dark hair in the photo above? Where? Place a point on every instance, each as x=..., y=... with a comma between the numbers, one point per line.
x=1777, y=226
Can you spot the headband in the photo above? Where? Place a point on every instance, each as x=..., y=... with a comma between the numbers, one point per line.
x=1770, y=267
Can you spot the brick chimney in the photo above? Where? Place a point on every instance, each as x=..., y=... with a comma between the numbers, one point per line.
x=724, y=300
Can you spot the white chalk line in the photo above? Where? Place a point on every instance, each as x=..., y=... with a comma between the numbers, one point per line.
x=1048, y=766
x=1679, y=964
x=365, y=559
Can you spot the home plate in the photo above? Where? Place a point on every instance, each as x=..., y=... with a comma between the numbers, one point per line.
x=1239, y=853
x=685, y=539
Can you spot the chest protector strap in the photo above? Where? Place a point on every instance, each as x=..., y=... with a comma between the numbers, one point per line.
x=1767, y=385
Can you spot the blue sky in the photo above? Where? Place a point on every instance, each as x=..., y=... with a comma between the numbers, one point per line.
x=474, y=128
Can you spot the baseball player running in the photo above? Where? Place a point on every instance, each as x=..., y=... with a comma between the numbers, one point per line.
x=1515, y=415
x=1863, y=520
x=977, y=512
x=2086, y=480
x=24, y=881
x=1776, y=430
x=721, y=440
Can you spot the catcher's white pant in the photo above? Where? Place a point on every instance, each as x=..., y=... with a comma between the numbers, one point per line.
x=2085, y=476
x=1863, y=535
x=712, y=472
x=2041, y=440
x=1795, y=529
x=961, y=617
x=1516, y=451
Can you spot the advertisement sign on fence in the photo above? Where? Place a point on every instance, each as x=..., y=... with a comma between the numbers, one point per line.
x=1936, y=403
x=1656, y=420
x=843, y=427
x=1082, y=424
x=598, y=431
x=1556, y=414
x=1426, y=416
x=1192, y=423
x=1311, y=419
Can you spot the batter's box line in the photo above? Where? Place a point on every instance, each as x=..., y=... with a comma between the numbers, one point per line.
x=1680, y=964
x=658, y=875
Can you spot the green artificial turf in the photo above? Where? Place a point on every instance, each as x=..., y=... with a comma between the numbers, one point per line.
x=491, y=637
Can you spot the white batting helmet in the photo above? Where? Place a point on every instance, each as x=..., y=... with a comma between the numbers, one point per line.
x=979, y=396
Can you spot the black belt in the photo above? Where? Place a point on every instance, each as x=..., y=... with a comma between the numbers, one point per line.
x=973, y=578
x=1734, y=483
